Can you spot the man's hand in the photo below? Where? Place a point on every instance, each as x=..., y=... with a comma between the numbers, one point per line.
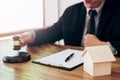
x=92, y=40
x=26, y=38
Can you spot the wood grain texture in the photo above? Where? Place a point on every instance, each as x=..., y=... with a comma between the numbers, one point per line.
x=31, y=71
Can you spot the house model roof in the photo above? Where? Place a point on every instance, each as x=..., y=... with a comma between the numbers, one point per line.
x=99, y=53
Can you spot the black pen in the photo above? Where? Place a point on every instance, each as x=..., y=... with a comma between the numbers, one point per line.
x=69, y=57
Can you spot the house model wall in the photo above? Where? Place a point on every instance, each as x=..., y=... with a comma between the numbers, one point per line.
x=97, y=60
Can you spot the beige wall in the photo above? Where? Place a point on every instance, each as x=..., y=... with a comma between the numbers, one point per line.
x=50, y=12
x=65, y=3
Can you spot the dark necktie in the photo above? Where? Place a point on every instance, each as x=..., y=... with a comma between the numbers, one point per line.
x=91, y=26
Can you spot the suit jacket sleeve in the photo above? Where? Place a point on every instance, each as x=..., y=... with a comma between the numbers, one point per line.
x=50, y=34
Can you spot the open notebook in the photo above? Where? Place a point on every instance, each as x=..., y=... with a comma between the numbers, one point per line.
x=58, y=59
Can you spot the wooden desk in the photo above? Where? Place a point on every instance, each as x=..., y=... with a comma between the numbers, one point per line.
x=31, y=71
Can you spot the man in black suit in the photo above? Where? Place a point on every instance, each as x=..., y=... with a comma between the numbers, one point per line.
x=72, y=26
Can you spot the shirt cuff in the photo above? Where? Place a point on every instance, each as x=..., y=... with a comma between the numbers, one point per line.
x=33, y=35
x=114, y=51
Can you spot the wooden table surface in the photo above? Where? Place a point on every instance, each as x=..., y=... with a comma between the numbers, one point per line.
x=31, y=71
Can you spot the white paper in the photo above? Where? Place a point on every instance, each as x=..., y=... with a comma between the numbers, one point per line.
x=58, y=59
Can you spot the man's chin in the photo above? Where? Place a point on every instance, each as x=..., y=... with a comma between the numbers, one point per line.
x=87, y=5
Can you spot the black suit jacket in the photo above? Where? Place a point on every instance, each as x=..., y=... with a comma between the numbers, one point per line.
x=70, y=26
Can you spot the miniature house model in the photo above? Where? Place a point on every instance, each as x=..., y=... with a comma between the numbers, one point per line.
x=97, y=60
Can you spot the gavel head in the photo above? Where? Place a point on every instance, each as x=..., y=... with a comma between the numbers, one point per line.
x=16, y=43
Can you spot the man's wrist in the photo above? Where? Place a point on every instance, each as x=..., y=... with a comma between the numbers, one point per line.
x=104, y=43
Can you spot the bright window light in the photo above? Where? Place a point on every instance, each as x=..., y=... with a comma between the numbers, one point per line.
x=17, y=15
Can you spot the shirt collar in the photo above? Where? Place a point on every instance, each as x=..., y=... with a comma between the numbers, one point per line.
x=98, y=9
